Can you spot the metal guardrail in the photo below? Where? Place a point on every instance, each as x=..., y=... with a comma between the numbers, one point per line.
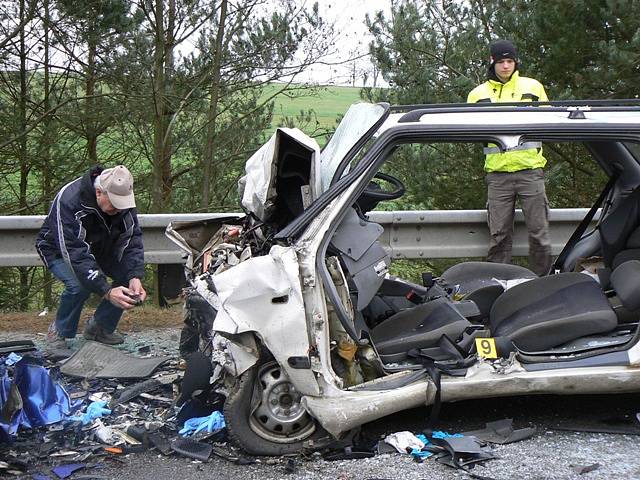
x=464, y=233
x=408, y=234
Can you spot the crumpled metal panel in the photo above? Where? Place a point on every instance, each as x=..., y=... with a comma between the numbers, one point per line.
x=263, y=295
x=340, y=410
x=258, y=186
x=236, y=357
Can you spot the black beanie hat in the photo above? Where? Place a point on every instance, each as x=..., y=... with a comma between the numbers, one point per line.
x=503, y=49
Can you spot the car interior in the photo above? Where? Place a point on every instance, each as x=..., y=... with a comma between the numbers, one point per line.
x=565, y=316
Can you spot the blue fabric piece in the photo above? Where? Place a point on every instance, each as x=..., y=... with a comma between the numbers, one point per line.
x=210, y=424
x=415, y=453
x=7, y=430
x=44, y=401
x=64, y=471
x=436, y=434
x=440, y=434
x=12, y=359
x=190, y=409
x=94, y=410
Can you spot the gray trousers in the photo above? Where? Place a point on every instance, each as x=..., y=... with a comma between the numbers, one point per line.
x=503, y=190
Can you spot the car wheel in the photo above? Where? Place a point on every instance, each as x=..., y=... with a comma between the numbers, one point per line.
x=264, y=414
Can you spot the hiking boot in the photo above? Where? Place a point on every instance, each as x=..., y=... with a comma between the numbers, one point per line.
x=53, y=340
x=93, y=331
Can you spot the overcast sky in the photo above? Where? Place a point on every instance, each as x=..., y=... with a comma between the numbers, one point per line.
x=353, y=37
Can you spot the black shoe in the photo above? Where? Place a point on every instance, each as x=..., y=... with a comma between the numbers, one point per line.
x=93, y=331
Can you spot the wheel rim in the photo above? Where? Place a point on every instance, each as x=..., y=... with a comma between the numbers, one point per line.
x=277, y=414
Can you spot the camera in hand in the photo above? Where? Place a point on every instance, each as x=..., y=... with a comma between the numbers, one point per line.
x=135, y=298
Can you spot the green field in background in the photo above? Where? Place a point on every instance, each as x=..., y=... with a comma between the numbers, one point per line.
x=328, y=103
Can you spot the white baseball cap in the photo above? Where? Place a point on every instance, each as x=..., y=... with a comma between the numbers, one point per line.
x=117, y=182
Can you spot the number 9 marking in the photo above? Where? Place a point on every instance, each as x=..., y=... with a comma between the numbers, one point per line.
x=486, y=347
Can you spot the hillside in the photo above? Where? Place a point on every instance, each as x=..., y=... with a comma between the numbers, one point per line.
x=328, y=104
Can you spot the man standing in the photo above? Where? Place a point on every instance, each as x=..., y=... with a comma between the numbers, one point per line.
x=517, y=174
x=92, y=232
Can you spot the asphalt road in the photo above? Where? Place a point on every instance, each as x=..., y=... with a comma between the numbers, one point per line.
x=550, y=454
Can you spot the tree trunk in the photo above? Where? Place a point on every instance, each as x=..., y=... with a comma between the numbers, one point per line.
x=167, y=177
x=214, y=91
x=162, y=144
x=46, y=149
x=91, y=131
x=163, y=72
x=159, y=99
x=22, y=153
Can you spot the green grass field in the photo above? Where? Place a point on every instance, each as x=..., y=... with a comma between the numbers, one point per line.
x=327, y=103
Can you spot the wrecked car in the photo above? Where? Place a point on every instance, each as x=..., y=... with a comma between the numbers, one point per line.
x=308, y=334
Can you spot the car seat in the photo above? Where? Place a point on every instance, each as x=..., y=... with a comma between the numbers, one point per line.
x=549, y=311
x=618, y=238
x=620, y=232
x=478, y=281
x=419, y=327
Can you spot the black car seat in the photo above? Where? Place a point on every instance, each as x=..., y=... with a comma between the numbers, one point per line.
x=478, y=281
x=549, y=311
x=390, y=299
x=419, y=327
x=619, y=237
x=620, y=232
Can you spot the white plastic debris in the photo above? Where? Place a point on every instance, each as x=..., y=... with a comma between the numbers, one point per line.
x=403, y=440
x=104, y=433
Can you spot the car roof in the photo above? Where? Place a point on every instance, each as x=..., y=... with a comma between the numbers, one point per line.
x=582, y=114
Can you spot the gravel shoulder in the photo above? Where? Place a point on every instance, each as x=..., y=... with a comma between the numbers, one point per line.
x=549, y=454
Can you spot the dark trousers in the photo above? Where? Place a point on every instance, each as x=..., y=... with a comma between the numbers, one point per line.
x=73, y=298
x=527, y=186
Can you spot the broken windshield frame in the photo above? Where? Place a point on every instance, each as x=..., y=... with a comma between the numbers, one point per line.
x=356, y=127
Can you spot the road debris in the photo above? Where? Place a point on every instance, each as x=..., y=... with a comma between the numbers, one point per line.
x=582, y=469
x=96, y=360
x=402, y=441
x=210, y=424
x=94, y=408
x=128, y=400
x=192, y=448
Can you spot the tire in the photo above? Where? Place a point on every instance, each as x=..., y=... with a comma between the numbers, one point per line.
x=264, y=415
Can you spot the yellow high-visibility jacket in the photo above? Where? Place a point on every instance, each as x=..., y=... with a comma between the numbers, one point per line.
x=517, y=89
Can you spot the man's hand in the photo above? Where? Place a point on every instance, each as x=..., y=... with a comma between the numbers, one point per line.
x=135, y=285
x=121, y=297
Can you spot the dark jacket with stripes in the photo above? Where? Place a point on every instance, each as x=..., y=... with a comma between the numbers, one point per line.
x=87, y=239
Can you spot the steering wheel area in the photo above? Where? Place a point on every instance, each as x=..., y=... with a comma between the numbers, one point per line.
x=374, y=193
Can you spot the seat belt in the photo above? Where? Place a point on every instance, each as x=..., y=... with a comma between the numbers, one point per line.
x=435, y=368
x=577, y=234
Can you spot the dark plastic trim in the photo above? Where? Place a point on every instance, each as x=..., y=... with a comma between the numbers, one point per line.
x=299, y=363
x=606, y=360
